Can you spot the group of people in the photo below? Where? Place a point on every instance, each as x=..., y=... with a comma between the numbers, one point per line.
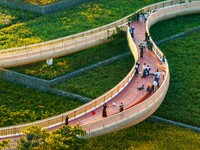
x=104, y=111
x=155, y=83
x=142, y=17
x=146, y=70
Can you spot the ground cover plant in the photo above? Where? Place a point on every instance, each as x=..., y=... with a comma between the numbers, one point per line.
x=41, y=2
x=164, y=29
x=19, y=104
x=75, y=20
x=95, y=83
x=10, y=16
x=146, y=136
x=73, y=62
x=182, y=101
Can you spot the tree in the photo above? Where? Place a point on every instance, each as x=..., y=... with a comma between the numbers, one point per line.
x=4, y=144
x=66, y=138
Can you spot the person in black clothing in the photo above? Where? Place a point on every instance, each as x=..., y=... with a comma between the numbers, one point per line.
x=137, y=16
x=141, y=50
x=121, y=107
x=66, y=120
x=104, y=113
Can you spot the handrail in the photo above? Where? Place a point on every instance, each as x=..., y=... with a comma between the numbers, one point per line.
x=59, y=119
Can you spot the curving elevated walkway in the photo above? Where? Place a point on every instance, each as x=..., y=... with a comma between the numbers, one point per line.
x=130, y=95
x=138, y=104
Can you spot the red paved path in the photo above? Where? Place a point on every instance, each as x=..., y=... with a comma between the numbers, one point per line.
x=130, y=95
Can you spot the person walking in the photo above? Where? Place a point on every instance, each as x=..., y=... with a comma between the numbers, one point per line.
x=163, y=60
x=132, y=32
x=148, y=70
x=144, y=45
x=121, y=107
x=144, y=70
x=163, y=74
x=136, y=69
x=155, y=84
x=137, y=16
x=104, y=113
x=141, y=51
x=67, y=120
x=141, y=18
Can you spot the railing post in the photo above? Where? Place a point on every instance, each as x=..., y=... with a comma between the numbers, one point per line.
x=74, y=114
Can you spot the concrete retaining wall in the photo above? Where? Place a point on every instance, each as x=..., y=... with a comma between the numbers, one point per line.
x=25, y=80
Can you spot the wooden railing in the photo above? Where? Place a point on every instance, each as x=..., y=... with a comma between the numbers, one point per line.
x=155, y=99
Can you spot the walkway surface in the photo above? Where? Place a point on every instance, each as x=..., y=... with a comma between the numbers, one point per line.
x=130, y=95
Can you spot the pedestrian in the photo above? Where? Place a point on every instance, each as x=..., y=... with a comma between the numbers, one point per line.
x=121, y=107
x=141, y=50
x=157, y=75
x=144, y=70
x=145, y=17
x=163, y=60
x=155, y=84
x=144, y=45
x=136, y=69
x=163, y=74
x=149, y=88
x=67, y=120
x=132, y=31
x=104, y=113
x=141, y=18
x=148, y=70
x=137, y=16
x=138, y=63
x=146, y=36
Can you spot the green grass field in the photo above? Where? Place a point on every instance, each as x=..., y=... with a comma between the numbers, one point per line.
x=19, y=104
x=95, y=83
x=167, y=28
x=182, y=101
x=147, y=136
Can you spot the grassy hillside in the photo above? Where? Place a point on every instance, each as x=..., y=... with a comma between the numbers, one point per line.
x=167, y=28
x=19, y=104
